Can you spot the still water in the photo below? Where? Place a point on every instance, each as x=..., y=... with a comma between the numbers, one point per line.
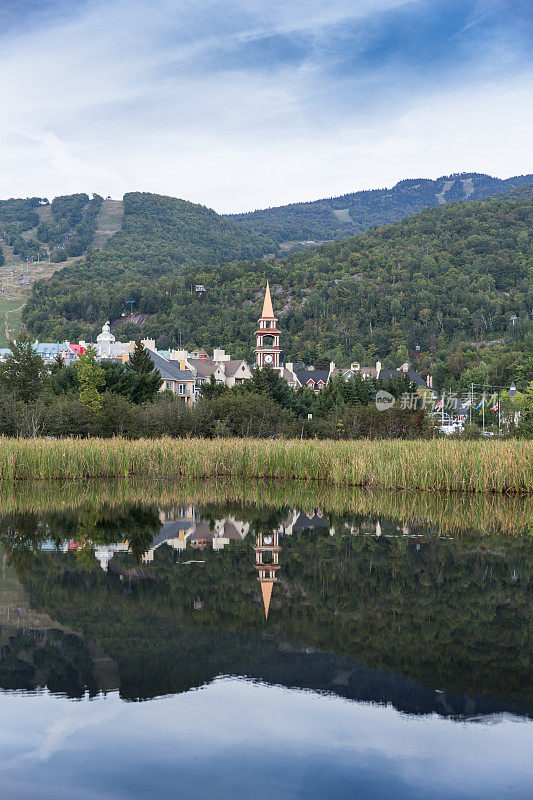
x=188, y=640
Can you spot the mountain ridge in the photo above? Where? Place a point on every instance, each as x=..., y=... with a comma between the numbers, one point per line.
x=353, y=212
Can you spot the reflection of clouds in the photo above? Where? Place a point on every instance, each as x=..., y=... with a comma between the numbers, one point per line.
x=229, y=736
x=58, y=732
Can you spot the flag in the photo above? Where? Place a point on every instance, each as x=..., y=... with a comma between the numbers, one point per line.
x=439, y=405
x=496, y=407
x=480, y=404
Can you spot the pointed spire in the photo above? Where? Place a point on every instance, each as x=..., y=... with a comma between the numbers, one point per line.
x=268, y=311
x=266, y=588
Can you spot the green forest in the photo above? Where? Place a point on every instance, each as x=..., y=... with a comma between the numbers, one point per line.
x=449, y=289
x=63, y=228
x=339, y=217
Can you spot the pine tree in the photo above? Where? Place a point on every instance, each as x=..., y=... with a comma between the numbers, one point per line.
x=23, y=372
x=148, y=378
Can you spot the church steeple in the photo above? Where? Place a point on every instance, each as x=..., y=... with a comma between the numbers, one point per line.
x=267, y=351
x=268, y=311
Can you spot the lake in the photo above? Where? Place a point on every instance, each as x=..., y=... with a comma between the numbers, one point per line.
x=189, y=639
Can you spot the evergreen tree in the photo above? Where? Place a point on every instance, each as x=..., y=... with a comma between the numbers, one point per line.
x=23, y=372
x=148, y=378
x=268, y=381
x=57, y=365
x=213, y=389
x=91, y=378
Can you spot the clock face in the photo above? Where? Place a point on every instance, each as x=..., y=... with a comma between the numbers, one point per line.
x=268, y=359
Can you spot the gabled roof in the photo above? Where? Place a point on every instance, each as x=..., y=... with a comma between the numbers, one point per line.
x=204, y=366
x=315, y=375
x=304, y=522
x=232, y=367
x=170, y=370
x=170, y=530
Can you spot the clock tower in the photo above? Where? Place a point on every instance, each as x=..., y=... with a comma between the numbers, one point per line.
x=267, y=350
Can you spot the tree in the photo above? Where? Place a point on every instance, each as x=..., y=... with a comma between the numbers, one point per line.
x=268, y=381
x=91, y=378
x=119, y=379
x=212, y=389
x=23, y=372
x=148, y=379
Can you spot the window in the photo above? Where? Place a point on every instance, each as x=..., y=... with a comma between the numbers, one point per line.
x=169, y=385
x=182, y=388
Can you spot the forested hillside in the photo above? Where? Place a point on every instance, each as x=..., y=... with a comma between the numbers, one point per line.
x=461, y=273
x=34, y=227
x=158, y=236
x=339, y=217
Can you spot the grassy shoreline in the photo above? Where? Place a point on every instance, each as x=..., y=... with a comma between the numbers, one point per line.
x=436, y=465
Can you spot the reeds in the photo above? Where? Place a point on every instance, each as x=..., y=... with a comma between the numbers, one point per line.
x=436, y=465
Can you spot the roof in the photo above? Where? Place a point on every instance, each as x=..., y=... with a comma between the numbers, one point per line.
x=304, y=522
x=204, y=532
x=268, y=311
x=170, y=530
x=204, y=366
x=413, y=376
x=170, y=370
x=232, y=367
x=51, y=348
x=288, y=375
x=315, y=375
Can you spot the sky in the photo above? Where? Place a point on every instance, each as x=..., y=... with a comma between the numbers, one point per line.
x=243, y=104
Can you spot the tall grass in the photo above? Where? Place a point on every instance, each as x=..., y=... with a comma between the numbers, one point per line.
x=439, y=465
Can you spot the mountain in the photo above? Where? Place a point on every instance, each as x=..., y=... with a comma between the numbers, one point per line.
x=157, y=237
x=340, y=217
x=452, y=274
x=34, y=227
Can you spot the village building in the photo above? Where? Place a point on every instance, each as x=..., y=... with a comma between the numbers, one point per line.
x=267, y=350
x=176, y=377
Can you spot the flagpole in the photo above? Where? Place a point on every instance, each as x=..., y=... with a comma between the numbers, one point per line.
x=483, y=412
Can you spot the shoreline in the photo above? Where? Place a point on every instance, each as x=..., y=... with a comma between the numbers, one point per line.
x=488, y=467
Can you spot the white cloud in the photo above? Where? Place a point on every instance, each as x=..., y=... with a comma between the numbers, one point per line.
x=134, y=95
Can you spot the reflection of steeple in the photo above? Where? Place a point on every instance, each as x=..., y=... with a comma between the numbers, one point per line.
x=267, y=564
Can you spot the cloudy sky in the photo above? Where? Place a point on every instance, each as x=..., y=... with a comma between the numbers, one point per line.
x=242, y=104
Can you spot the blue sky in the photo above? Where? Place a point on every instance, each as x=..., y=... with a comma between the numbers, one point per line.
x=248, y=103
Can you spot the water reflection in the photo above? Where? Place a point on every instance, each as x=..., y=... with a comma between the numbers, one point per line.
x=140, y=593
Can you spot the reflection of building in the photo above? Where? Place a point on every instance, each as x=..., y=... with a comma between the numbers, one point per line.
x=177, y=525
x=267, y=564
x=105, y=552
x=219, y=534
x=298, y=521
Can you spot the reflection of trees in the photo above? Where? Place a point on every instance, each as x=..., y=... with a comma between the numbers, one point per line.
x=455, y=614
x=49, y=658
x=22, y=535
